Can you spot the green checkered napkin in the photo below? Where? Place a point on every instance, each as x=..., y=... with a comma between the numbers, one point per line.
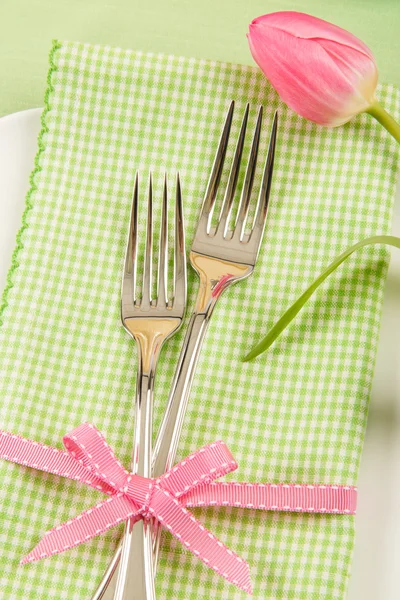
x=297, y=414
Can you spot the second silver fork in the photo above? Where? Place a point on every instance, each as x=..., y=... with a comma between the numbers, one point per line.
x=221, y=256
x=150, y=322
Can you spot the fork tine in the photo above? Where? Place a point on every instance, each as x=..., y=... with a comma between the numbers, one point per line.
x=233, y=176
x=263, y=198
x=244, y=203
x=163, y=252
x=216, y=171
x=180, y=251
x=148, y=260
x=131, y=250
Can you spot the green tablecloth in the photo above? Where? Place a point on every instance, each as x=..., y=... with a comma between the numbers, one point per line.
x=206, y=29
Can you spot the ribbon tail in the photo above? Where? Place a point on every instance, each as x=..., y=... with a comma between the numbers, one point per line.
x=83, y=527
x=334, y=499
x=201, y=542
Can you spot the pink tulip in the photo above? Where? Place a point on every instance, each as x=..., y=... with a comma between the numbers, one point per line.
x=321, y=71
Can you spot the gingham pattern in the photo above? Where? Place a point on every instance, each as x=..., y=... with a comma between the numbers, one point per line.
x=297, y=414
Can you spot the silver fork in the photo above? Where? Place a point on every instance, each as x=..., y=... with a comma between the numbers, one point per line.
x=150, y=322
x=221, y=258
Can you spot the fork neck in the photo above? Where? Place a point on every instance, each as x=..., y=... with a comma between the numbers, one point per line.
x=150, y=335
x=215, y=276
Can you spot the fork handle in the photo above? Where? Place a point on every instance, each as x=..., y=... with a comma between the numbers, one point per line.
x=171, y=426
x=169, y=432
x=135, y=577
x=164, y=455
x=215, y=276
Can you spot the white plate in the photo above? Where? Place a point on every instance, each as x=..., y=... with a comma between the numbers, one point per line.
x=377, y=558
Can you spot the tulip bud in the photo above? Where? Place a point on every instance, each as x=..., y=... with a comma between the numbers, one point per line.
x=321, y=71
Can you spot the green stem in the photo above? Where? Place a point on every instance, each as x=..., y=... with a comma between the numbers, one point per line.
x=380, y=114
x=293, y=310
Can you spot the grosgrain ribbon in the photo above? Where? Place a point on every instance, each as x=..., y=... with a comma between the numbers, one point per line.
x=89, y=459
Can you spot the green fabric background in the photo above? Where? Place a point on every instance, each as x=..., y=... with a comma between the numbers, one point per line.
x=206, y=29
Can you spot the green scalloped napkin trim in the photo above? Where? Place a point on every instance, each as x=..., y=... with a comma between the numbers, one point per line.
x=32, y=184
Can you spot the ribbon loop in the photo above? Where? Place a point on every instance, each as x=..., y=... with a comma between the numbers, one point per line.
x=88, y=446
x=204, y=465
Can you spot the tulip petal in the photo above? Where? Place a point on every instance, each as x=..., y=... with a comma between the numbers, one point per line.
x=323, y=73
x=308, y=27
x=358, y=70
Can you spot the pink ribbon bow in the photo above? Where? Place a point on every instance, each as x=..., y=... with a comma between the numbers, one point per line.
x=89, y=459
